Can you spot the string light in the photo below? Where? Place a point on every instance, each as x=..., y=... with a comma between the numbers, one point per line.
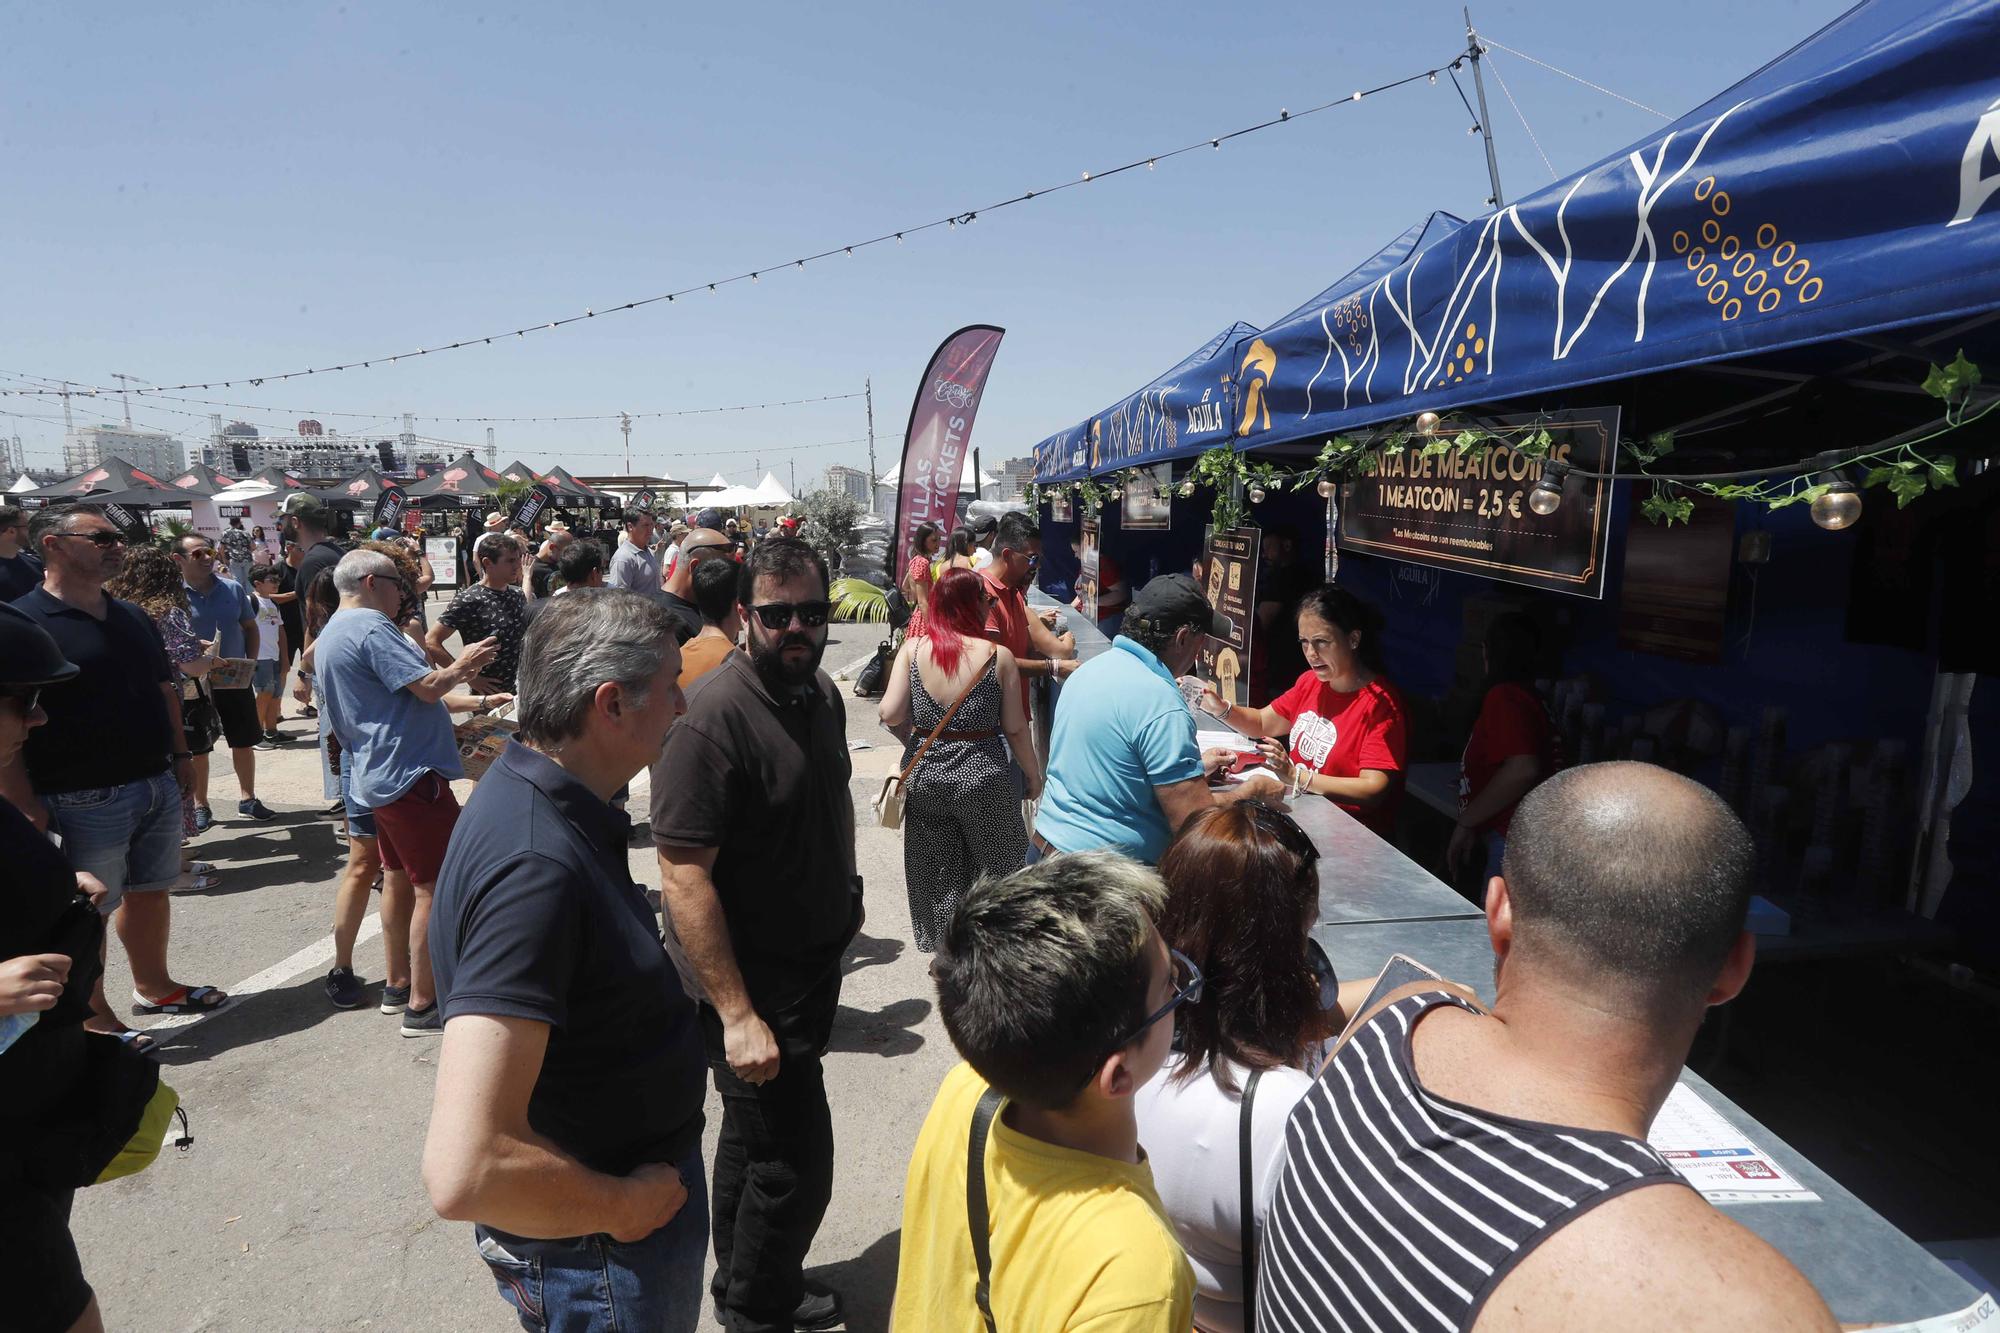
x=949, y=222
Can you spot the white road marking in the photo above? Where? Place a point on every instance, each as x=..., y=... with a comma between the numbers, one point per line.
x=309, y=959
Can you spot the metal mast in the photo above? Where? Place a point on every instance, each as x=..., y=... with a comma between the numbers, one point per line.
x=1473, y=50
x=868, y=391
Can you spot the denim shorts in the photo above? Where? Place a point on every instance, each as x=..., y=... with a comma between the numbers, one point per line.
x=265, y=679
x=590, y=1284
x=129, y=836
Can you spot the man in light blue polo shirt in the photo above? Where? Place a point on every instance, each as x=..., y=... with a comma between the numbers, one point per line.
x=1124, y=770
x=225, y=613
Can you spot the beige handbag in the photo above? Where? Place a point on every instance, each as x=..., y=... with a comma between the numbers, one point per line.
x=889, y=801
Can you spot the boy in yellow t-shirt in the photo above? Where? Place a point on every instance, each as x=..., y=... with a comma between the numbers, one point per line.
x=1058, y=991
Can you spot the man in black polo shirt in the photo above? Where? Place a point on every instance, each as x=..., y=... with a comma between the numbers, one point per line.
x=312, y=522
x=569, y=1090
x=755, y=830
x=110, y=766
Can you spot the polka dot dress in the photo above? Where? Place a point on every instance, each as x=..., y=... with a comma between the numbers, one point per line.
x=962, y=818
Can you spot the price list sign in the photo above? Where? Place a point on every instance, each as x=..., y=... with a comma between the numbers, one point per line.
x=1469, y=511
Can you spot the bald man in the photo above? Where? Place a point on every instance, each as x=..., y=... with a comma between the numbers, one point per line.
x=677, y=594
x=1514, y=1139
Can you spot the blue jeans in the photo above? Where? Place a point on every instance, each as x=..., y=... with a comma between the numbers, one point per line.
x=129, y=836
x=594, y=1284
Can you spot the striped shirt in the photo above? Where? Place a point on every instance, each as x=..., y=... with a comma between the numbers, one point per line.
x=1397, y=1209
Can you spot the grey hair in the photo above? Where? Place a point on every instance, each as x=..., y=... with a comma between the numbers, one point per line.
x=586, y=638
x=355, y=567
x=1043, y=972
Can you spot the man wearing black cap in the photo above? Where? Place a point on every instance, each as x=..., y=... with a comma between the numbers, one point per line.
x=1124, y=771
x=51, y=945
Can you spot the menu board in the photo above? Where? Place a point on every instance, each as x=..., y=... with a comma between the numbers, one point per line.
x=1469, y=511
x=1148, y=501
x=1087, y=576
x=443, y=553
x=1229, y=564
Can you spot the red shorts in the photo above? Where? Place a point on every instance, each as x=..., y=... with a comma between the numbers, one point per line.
x=414, y=829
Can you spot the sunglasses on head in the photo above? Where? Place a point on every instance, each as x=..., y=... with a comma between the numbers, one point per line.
x=778, y=615
x=1288, y=834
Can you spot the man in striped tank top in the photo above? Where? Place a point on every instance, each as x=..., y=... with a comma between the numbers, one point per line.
x=1459, y=1168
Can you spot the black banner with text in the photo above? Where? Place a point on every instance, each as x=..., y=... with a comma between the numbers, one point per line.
x=1470, y=512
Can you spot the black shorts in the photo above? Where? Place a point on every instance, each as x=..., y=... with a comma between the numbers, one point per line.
x=34, y=1235
x=238, y=709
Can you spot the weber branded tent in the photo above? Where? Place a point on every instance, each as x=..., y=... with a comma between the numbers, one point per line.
x=463, y=483
x=114, y=481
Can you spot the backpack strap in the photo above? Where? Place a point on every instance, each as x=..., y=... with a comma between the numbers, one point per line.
x=1246, y=1202
x=975, y=1201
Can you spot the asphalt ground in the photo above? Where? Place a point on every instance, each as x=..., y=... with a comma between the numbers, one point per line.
x=300, y=1205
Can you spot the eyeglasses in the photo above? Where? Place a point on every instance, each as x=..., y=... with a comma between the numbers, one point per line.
x=103, y=541
x=203, y=554
x=778, y=615
x=1187, y=990
x=29, y=695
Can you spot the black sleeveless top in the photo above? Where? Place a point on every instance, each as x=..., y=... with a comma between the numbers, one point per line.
x=1399, y=1209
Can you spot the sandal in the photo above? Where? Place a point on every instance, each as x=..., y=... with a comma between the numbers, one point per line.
x=185, y=1000
x=135, y=1038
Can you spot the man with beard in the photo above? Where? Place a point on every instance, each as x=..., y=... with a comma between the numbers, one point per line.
x=757, y=924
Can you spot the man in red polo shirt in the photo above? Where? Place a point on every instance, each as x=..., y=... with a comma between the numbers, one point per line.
x=1038, y=650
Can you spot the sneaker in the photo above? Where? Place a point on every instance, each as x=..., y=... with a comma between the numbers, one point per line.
x=818, y=1309
x=343, y=989
x=395, y=999
x=265, y=742
x=253, y=809
x=204, y=819
x=425, y=1022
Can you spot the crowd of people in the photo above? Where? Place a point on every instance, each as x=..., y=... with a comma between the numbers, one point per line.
x=1170, y=1111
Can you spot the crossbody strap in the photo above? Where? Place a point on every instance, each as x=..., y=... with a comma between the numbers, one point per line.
x=1246, y=1202
x=944, y=722
x=975, y=1201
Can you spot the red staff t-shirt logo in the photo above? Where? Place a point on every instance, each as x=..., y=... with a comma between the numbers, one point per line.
x=1313, y=739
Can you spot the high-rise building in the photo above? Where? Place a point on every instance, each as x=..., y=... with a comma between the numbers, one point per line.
x=849, y=481
x=13, y=458
x=1015, y=475
x=150, y=451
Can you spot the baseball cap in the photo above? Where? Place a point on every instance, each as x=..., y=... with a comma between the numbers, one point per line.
x=382, y=534
x=1173, y=600
x=298, y=502
x=708, y=518
x=29, y=655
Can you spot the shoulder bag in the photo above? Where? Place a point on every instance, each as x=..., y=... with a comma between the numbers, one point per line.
x=1246, y=1201
x=975, y=1202
x=889, y=801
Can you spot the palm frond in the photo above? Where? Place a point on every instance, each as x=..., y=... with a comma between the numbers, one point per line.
x=859, y=600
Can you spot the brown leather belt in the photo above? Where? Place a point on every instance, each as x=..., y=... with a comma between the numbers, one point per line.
x=1042, y=846
x=968, y=735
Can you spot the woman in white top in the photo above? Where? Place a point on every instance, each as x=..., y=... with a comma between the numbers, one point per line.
x=1242, y=895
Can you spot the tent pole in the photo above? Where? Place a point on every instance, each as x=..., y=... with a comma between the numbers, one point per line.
x=1485, y=121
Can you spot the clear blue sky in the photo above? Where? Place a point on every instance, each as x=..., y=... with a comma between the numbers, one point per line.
x=210, y=190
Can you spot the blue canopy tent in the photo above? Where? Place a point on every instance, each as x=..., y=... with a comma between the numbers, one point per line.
x=1177, y=415
x=1842, y=191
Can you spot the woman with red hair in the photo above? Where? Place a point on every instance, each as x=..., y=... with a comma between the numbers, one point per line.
x=962, y=817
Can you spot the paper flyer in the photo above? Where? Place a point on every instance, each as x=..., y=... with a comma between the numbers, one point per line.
x=1981, y=1314
x=1716, y=1158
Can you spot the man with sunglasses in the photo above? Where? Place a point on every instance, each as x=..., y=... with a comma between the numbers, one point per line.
x=109, y=767
x=677, y=596
x=754, y=824
x=1038, y=649
x=20, y=568
x=225, y=613
x=1028, y=1178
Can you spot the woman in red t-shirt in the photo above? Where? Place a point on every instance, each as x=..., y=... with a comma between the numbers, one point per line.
x=1346, y=728
x=1512, y=747
x=919, y=575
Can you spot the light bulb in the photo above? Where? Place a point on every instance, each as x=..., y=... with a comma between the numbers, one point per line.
x=1427, y=423
x=1256, y=495
x=1546, y=498
x=1326, y=488
x=1187, y=489
x=1839, y=508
